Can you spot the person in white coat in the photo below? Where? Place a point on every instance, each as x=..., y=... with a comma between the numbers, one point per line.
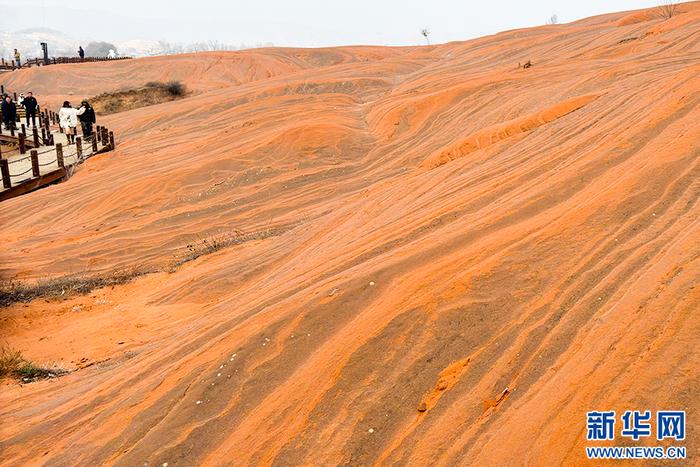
x=68, y=119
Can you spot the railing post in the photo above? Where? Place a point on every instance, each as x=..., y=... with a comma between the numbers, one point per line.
x=59, y=155
x=98, y=130
x=22, y=144
x=44, y=139
x=15, y=94
x=23, y=128
x=105, y=136
x=5, y=170
x=35, y=134
x=111, y=140
x=79, y=146
x=12, y=129
x=35, y=162
x=94, y=145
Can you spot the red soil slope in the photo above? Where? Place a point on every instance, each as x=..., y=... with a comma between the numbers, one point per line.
x=414, y=228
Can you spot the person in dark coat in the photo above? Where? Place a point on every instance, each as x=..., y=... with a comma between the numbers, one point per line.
x=86, y=115
x=31, y=106
x=81, y=52
x=9, y=112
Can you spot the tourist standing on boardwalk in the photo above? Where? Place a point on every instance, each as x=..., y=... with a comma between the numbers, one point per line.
x=30, y=107
x=81, y=52
x=18, y=59
x=9, y=112
x=86, y=115
x=68, y=119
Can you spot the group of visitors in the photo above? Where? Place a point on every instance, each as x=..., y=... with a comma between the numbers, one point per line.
x=68, y=116
x=9, y=109
x=18, y=56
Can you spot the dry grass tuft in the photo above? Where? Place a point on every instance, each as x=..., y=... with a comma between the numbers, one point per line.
x=14, y=365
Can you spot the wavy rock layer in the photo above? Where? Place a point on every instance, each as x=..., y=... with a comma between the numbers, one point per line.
x=432, y=255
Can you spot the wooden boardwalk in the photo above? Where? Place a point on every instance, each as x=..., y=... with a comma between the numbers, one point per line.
x=29, y=166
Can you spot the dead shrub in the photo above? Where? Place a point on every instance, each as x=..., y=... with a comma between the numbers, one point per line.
x=668, y=8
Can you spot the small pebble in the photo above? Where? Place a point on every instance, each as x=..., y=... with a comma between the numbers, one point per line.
x=199, y=402
x=371, y=430
x=371, y=283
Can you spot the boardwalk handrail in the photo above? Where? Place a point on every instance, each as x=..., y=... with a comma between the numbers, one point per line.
x=46, y=119
x=63, y=169
x=28, y=63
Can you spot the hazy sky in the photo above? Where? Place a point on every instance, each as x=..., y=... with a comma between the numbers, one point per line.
x=300, y=22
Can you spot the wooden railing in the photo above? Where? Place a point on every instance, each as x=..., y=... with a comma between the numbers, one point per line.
x=12, y=65
x=37, y=169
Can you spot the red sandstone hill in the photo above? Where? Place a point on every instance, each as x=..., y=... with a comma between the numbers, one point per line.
x=393, y=229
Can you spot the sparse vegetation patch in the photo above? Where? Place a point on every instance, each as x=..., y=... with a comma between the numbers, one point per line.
x=12, y=292
x=17, y=292
x=208, y=245
x=14, y=365
x=154, y=92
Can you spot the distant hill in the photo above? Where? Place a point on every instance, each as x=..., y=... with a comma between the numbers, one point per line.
x=28, y=41
x=62, y=44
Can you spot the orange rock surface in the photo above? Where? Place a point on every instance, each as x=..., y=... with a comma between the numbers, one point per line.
x=432, y=256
